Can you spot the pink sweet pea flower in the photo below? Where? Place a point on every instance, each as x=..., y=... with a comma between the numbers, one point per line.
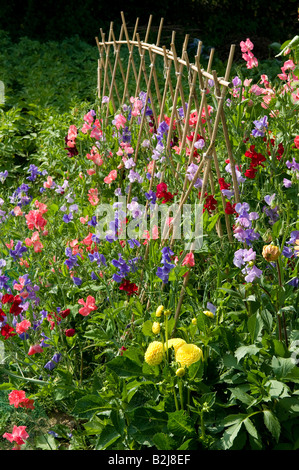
x=19, y=435
x=36, y=348
x=189, y=260
x=41, y=207
x=119, y=121
x=295, y=96
x=17, y=211
x=83, y=220
x=289, y=64
x=10, y=245
x=93, y=196
x=23, y=326
x=246, y=46
x=49, y=183
x=111, y=177
x=16, y=397
x=34, y=219
x=88, y=306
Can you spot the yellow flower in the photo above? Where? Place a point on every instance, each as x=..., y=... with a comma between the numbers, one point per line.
x=159, y=311
x=270, y=252
x=194, y=321
x=297, y=248
x=208, y=313
x=175, y=343
x=187, y=354
x=154, y=353
x=180, y=372
x=167, y=312
x=156, y=328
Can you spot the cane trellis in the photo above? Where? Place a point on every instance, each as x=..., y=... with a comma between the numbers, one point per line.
x=184, y=84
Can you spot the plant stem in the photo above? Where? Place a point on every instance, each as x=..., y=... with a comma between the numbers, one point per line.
x=181, y=394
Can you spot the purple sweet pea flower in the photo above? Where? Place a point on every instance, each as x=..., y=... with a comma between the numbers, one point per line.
x=260, y=127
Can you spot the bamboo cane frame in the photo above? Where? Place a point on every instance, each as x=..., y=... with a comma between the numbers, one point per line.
x=195, y=72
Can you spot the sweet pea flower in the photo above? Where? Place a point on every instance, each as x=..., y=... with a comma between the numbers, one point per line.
x=119, y=121
x=23, y=326
x=19, y=435
x=111, y=177
x=88, y=306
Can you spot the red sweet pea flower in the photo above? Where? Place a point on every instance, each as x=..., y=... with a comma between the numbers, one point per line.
x=2, y=315
x=128, y=287
x=210, y=203
x=162, y=193
x=64, y=313
x=70, y=332
x=251, y=172
x=223, y=184
x=7, y=298
x=15, y=309
x=230, y=209
x=7, y=331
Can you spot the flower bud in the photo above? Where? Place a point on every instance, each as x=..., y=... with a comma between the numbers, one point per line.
x=156, y=328
x=159, y=311
x=270, y=252
x=194, y=321
x=180, y=372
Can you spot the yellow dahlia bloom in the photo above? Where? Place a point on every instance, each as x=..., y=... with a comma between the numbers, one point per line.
x=187, y=354
x=159, y=311
x=154, y=353
x=175, y=343
x=270, y=252
x=156, y=328
x=180, y=372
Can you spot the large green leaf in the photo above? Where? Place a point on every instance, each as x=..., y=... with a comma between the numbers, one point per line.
x=124, y=367
x=88, y=405
x=272, y=424
x=180, y=424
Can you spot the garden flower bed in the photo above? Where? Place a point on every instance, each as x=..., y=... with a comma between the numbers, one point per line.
x=142, y=342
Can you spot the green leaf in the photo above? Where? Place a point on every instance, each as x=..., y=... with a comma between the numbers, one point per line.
x=147, y=328
x=231, y=433
x=163, y=441
x=282, y=366
x=250, y=428
x=244, y=350
x=145, y=423
x=87, y=406
x=124, y=367
x=255, y=326
x=108, y=437
x=241, y=395
x=45, y=442
x=180, y=424
x=272, y=424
